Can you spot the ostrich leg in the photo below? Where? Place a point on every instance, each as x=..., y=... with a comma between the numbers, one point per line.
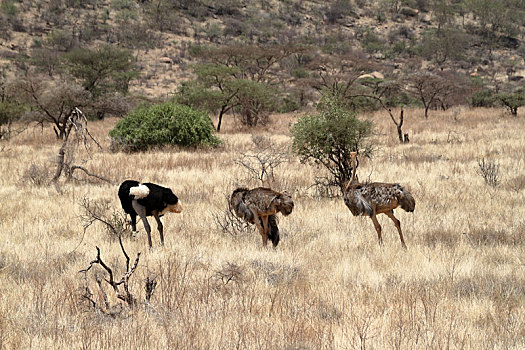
x=390, y=214
x=378, y=228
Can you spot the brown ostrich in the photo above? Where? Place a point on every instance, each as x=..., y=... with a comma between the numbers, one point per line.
x=259, y=206
x=376, y=198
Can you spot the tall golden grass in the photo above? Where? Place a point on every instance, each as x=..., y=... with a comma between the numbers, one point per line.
x=328, y=285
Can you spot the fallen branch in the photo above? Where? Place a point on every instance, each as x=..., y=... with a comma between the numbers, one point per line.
x=124, y=295
x=75, y=167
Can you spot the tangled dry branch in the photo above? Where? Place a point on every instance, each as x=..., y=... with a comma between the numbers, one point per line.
x=77, y=122
x=123, y=294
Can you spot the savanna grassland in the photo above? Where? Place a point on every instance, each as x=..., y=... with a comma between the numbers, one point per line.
x=328, y=285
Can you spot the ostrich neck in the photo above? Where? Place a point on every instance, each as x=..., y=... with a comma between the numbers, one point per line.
x=354, y=180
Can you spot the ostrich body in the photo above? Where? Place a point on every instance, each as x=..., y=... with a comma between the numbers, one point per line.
x=147, y=199
x=259, y=206
x=377, y=198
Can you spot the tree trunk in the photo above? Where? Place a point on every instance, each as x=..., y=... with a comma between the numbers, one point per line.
x=219, y=122
x=399, y=126
x=61, y=154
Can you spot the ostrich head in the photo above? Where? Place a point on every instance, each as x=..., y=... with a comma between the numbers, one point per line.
x=172, y=202
x=284, y=203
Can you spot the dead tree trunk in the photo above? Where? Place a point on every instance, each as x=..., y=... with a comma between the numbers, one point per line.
x=78, y=122
x=399, y=125
x=62, y=153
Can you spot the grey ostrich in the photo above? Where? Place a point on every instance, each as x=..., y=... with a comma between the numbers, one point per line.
x=376, y=198
x=259, y=206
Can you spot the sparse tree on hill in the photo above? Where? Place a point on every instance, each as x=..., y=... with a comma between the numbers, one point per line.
x=337, y=76
x=253, y=62
x=105, y=68
x=428, y=88
x=443, y=12
x=442, y=46
x=493, y=16
x=511, y=101
x=51, y=101
x=337, y=10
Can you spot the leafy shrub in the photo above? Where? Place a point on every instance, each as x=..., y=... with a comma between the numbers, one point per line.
x=482, y=98
x=327, y=138
x=338, y=10
x=163, y=124
x=9, y=112
x=512, y=101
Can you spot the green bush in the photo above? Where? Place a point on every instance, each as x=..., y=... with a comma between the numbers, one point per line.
x=328, y=137
x=163, y=124
x=512, y=101
x=482, y=98
x=288, y=104
x=9, y=113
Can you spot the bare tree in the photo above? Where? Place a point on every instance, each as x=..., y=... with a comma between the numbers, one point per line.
x=229, y=223
x=428, y=88
x=76, y=121
x=338, y=74
x=51, y=101
x=262, y=160
x=98, y=212
x=382, y=91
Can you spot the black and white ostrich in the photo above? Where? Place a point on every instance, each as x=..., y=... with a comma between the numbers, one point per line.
x=147, y=199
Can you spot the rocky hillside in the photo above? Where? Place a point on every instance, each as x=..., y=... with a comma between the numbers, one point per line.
x=479, y=41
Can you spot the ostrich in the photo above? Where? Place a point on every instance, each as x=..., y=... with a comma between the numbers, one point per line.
x=147, y=199
x=259, y=206
x=376, y=198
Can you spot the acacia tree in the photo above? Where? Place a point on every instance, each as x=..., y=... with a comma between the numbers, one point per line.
x=251, y=99
x=104, y=72
x=103, y=69
x=10, y=109
x=237, y=78
x=51, y=101
x=327, y=138
x=213, y=90
x=388, y=93
x=429, y=88
x=511, y=101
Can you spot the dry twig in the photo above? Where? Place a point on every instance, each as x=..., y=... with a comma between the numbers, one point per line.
x=124, y=295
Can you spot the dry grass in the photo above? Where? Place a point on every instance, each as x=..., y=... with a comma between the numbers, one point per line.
x=329, y=285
